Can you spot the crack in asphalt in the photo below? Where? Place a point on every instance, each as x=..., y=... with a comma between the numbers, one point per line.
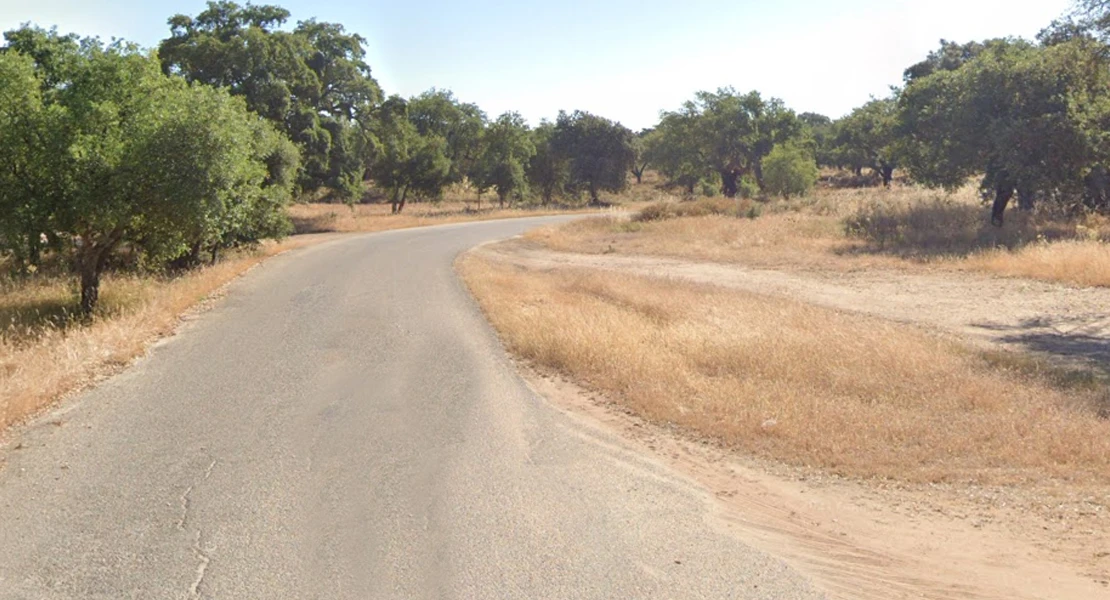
x=202, y=567
x=202, y=557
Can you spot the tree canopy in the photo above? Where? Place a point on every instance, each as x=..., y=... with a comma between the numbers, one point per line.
x=105, y=150
x=730, y=133
x=1029, y=119
x=312, y=83
x=598, y=152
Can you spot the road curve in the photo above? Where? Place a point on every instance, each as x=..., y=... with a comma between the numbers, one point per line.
x=344, y=424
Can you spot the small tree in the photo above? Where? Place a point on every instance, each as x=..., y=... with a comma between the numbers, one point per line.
x=639, y=150
x=119, y=153
x=548, y=171
x=507, y=149
x=789, y=170
x=598, y=152
x=408, y=162
x=673, y=148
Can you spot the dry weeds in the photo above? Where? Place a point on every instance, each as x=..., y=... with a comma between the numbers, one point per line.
x=797, y=383
x=903, y=227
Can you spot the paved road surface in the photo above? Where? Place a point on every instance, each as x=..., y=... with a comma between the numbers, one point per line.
x=345, y=425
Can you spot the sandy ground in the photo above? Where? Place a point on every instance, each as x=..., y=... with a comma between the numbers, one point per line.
x=885, y=540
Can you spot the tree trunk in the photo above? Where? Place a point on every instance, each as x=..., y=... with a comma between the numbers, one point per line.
x=1002, y=195
x=501, y=200
x=886, y=170
x=859, y=171
x=639, y=173
x=90, y=286
x=1026, y=198
x=759, y=174
x=397, y=203
x=728, y=183
x=595, y=199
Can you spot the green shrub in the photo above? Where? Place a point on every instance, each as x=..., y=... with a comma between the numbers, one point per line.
x=789, y=170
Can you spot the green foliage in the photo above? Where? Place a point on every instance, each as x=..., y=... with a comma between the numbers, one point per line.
x=507, y=148
x=672, y=147
x=789, y=170
x=548, y=171
x=821, y=135
x=438, y=113
x=639, y=152
x=730, y=134
x=949, y=57
x=115, y=153
x=312, y=83
x=598, y=152
x=866, y=138
x=1030, y=118
x=408, y=161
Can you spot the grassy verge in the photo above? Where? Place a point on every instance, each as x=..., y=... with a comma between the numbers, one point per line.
x=797, y=383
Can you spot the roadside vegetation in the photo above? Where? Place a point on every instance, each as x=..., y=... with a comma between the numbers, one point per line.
x=805, y=385
x=918, y=181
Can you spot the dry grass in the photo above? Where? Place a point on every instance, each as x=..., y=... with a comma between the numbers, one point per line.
x=1083, y=263
x=340, y=218
x=797, y=383
x=849, y=229
x=777, y=239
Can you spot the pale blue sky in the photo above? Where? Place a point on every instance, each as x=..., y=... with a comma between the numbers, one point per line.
x=624, y=59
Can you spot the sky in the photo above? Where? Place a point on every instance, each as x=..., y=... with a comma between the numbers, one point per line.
x=623, y=59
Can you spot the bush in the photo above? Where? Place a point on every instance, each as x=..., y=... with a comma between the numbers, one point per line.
x=703, y=207
x=789, y=171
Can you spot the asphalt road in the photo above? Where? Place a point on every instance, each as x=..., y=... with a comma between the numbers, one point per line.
x=344, y=424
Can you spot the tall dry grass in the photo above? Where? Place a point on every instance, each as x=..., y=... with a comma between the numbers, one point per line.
x=797, y=383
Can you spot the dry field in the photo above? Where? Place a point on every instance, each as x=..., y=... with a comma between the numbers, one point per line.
x=904, y=227
x=808, y=386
